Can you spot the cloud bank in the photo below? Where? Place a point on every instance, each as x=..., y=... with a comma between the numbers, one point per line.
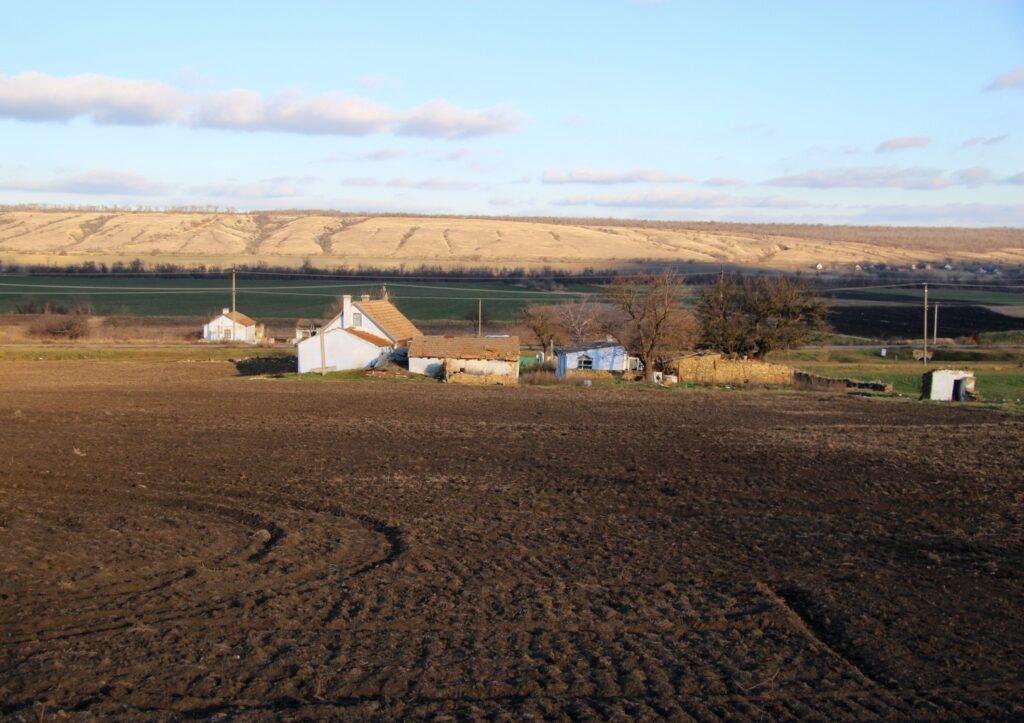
x=106, y=100
x=904, y=178
x=597, y=177
x=93, y=183
x=1008, y=80
x=903, y=143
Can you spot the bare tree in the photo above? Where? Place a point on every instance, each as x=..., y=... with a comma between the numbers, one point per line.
x=579, y=320
x=752, y=316
x=542, y=321
x=649, y=320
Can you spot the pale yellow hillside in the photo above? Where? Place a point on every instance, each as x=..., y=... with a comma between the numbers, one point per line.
x=335, y=240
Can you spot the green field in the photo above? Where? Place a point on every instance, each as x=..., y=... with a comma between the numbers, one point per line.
x=999, y=373
x=271, y=298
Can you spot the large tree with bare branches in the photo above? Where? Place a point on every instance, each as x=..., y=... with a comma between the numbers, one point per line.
x=751, y=316
x=648, y=318
x=542, y=321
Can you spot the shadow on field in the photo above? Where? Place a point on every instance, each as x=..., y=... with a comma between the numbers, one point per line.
x=273, y=365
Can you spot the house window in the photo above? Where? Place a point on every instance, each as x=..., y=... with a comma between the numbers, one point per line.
x=584, y=362
x=357, y=319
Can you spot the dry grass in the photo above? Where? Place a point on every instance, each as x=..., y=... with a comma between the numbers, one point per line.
x=292, y=237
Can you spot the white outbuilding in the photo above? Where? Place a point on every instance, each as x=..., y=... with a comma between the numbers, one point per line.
x=233, y=326
x=485, y=357
x=948, y=385
x=362, y=335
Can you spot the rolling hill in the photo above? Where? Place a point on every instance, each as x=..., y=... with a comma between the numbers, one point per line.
x=335, y=239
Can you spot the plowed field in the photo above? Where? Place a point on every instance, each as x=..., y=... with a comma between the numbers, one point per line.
x=177, y=541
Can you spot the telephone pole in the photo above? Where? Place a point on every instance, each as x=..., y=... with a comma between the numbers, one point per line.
x=234, y=323
x=935, y=327
x=924, y=357
x=479, y=316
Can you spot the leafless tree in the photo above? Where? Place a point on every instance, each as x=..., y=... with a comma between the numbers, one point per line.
x=752, y=316
x=579, y=320
x=649, y=320
x=542, y=321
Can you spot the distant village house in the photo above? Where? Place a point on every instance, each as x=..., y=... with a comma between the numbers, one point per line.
x=233, y=326
x=362, y=335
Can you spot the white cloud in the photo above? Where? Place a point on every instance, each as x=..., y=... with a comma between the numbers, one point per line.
x=907, y=178
x=597, y=177
x=278, y=187
x=108, y=100
x=1016, y=179
x=723, y=181
x=984, y=141
x=384, y=154
x=102, y=99
x=974, y=176
x=1010, y=79
x=93, y=183
x=360, y=181
x=668, y=198
x=441, y=119
x=903, y=143
x=431, y=184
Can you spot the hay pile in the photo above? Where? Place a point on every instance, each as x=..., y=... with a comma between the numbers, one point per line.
x=481, y=379
x=714, y=369
x=590, y=374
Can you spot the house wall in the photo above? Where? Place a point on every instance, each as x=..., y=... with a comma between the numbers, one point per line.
x=342, y=352
x=434, y=366
x=609, y=359
x=219, y=328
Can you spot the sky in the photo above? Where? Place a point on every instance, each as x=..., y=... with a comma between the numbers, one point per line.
x=810, y=112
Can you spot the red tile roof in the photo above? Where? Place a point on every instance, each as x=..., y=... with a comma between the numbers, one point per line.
x=503, y=348
x=236, y=316
x=390, y=320
x=367, y=336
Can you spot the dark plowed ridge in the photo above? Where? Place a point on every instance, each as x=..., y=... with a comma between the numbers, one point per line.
x=220, y=546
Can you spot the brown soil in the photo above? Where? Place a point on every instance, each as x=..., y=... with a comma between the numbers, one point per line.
x=179, y=541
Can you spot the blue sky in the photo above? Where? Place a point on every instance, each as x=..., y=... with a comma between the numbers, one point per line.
x=833, y=112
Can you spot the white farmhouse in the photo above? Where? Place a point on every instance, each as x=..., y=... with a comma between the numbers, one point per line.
x=488, y=356
x=363, y=334
x=233, y=326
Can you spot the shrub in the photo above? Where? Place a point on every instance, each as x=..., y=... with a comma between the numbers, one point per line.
x=266, y=365
x=60, y=326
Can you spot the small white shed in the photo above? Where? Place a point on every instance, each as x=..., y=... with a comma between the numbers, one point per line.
x=233, y=326
x=948, y=385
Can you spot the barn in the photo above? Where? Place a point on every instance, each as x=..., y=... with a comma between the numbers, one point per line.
x=362, y=335
x=233, y=326
x=607, y=356
x=495, y=357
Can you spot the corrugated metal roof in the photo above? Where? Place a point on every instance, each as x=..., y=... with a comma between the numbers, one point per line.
x=465, y=347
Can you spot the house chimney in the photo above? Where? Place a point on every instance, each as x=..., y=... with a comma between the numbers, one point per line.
x=366, y=297
x=346, y=311
x=225, y=310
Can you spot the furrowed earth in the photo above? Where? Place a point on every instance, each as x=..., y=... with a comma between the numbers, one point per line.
x=179, y=541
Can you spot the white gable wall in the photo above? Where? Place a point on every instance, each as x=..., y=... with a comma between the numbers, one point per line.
x=223, y=329
x=346, y=319
x=341, y=352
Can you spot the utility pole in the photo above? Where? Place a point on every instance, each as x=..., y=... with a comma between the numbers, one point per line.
x=924, y=357
x=234, y=324
x=479, y=316
x=935, y=328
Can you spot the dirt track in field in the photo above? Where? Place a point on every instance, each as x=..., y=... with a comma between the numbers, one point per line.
x=179, y=541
